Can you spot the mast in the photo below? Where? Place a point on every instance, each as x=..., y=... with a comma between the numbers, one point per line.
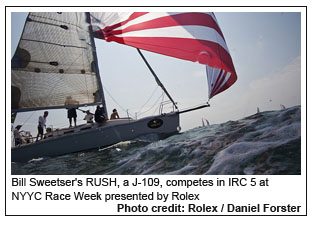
x=96, y=68
x=157, y=79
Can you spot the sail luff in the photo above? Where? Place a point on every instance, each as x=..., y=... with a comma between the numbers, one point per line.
x=96, y=67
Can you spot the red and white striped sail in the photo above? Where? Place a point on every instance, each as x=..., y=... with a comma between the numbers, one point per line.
x=193, y=36
x=218, y=80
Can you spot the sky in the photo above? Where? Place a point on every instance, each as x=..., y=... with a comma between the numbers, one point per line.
x=266, y=52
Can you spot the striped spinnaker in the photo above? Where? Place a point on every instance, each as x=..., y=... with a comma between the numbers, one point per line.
x=193, y=36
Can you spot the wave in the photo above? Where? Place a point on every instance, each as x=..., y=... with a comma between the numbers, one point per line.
x=264, y=143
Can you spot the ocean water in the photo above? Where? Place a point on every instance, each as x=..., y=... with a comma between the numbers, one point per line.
x=265, y=143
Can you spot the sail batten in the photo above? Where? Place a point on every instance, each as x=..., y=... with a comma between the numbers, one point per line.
x=53, y=66
x=54, y=107
x=51, y=43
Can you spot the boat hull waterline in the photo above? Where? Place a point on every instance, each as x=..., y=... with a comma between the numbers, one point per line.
x=112, y=132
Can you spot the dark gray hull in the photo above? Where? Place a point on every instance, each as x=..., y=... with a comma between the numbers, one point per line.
x=112, y=132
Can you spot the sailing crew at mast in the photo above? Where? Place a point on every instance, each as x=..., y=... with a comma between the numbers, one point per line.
x=72, y=113
x=114, y=115
x=99, y=115
x=42, y=123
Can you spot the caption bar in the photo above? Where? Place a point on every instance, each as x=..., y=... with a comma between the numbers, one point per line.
x=140, y=195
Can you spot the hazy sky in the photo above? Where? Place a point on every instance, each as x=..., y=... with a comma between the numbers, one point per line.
x=266, y=51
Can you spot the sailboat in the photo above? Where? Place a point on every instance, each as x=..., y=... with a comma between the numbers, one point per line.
x=55, y=66
x=203, y=122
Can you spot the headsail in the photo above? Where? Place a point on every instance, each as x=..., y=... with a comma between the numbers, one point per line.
x=193, y=36
x=53, y=66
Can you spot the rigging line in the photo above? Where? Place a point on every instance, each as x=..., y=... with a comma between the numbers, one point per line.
x=148, y=99
x=28, y=118
x=152, y=105
x=162, y=100
x=123, y=109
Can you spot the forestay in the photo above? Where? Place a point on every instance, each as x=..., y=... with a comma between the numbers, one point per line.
x=193, y=36
x=53, y=66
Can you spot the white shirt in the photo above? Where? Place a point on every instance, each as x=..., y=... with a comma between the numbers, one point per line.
x=88, y=117
x=42, y=121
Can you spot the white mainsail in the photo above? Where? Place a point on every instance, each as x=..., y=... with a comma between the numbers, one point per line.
x=54, y=64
